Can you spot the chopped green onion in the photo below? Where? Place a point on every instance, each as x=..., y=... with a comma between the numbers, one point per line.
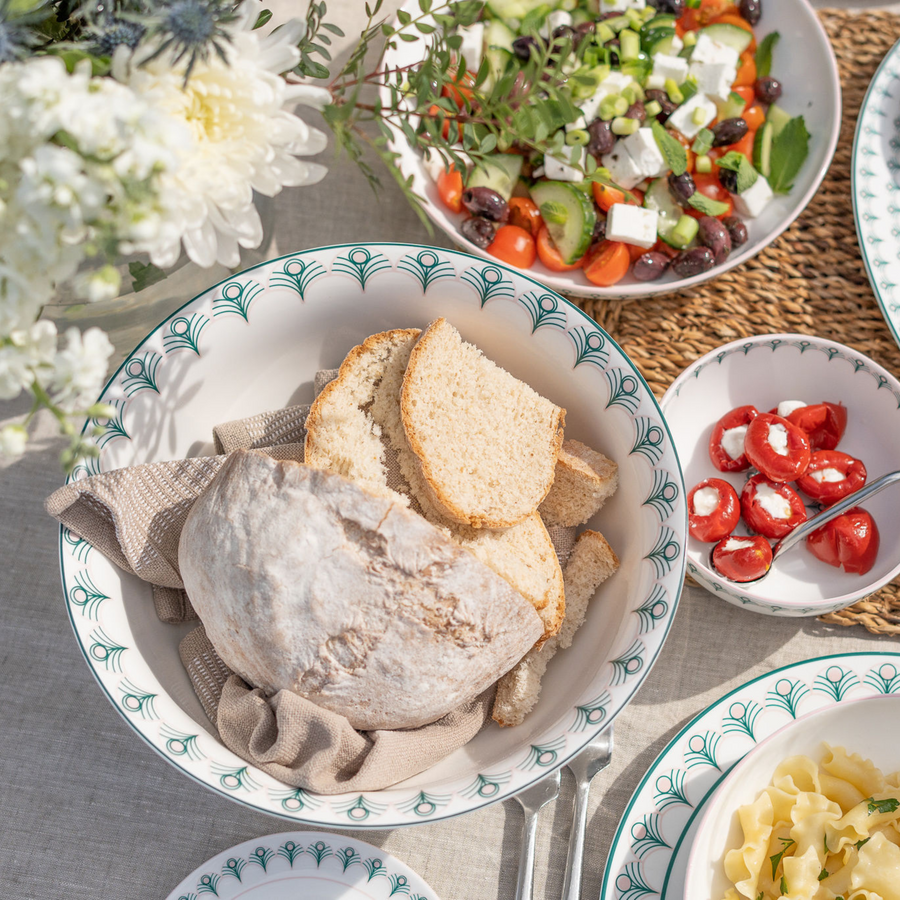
x=577, y=138
x=608, y=107
x=633, y=92
x=703, y=164
x=690, y=38
x=621, y=106
x=623, y=127
x=653, y=109
x=630, y=44
x=685, y=231
x=699, y=116
x=674, y=91
x=604, y=33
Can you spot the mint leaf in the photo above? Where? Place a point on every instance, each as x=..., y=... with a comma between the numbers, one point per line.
x=708, y=207
x=883, y=806
x=764, y=54
x=738, y=162
x=671, y=149
x=554, y=212
x=731, y=160
x=703, y=142
x=144, y=276
x=789, y=151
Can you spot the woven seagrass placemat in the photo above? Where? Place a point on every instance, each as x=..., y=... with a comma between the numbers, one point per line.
x=811, y=280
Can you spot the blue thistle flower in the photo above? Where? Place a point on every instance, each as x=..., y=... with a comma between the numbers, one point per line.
x=115, y=32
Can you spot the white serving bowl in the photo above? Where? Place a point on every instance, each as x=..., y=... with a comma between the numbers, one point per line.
x=254, y=343
x=763, y=371
x=869, y=727
x=803, y=61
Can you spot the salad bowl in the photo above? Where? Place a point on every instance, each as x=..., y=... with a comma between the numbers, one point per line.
x=803, y=61
x=254, y=343
x=763, y=371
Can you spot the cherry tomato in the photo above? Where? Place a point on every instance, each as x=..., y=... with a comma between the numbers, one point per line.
x=635, y=252
x=709, y=185
x=745, y=145
x=826, y=463
x=737, y=418
x=754, y=117
x=515, y=246
x=436, y=112
x=824, y=424
x=550, y=256
x=747, y=94
x=606, y=196
x=712, y=526
x=849, y=541
x=739, y=22
x=525, y=213
x=662, y=247
x=450, y=189
x=742, y=558
x=460, y=89
x=777, y=447
x=746, y=76
x=791, y=509
x=607, y=263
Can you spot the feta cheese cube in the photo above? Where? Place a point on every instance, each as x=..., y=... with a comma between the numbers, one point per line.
x=621, y=5
x=554, y=20
x=616, y=82
x=590, y=106
x=578, y=123
x=472, y=43
x=673, y=67
x=622, y=168
x=677, y=44
x=706, y=50
x=645, y=152
x=683, y=118
x=714, y=79
x=632, y=224
x=753, y=201
x=655, y=83
x=556, y=170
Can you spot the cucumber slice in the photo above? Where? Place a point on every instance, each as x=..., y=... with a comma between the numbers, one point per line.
x=658, y=197
x=660, y=40
x=498, y=61
x=733, y=107
x=569, y=215
x=499, y=172
x=499, y=35
x=779, y=118
x=513, y=9
x=729, y=35
x=661, y=20
x=762, y=149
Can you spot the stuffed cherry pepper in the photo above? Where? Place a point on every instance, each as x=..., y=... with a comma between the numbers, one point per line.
x=770, y=508
x=742, y=558
x=777, y=447
x=714, y=510
x=831, y=476
x=850, y=542
x=726, y=444
x=823, y=423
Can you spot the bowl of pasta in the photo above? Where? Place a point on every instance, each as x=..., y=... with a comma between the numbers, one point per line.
x=812, y=811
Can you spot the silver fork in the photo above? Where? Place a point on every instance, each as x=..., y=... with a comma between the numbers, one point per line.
x=532, y=800
x=591, y=761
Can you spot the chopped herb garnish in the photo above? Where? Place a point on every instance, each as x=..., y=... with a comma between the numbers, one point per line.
x=707, y=206
x=883, y=806
x=823, y=874
x=760, y=895
x=776, y=859
x=784, y=887
x=703, y=142
x=790, y=148
x=675, y=154
x=864, y=841
x=825, y=844
x=764, y=54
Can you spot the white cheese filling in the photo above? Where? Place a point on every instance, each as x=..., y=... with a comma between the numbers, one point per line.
x=772, y=502
x=786, y=407
x=778, y=439
x=829, y=476
x=737, y=544
x=706, y=500
x=733, y=441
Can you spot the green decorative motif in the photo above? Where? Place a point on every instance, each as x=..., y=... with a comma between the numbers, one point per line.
x=111, y=429
x=134, y=700
x=360, y=809
x=485, y=786
x=188, y=897
x=234, y=867
x=541, y=756
x=183, y=333
x=544, y=309
x=295, y=800
x=235, y=779
x=654, y=609
x=701, y=750
x=236, y=299
x=79, y=547
x=787, y=696
x=86, y=595
x=835, y=682
x=590, y=347
x=290, y=851
x=742, y=718
x=296, y=275
x=489, y=283
x=631, y=886
x=665, y=552
x=262, y=856
x=106, y=651
x=427, y=267
x=140, y=374
x=646, y=836
x=348, y=857
x=208, y=884
x=399, y=885
x=624, y=390
x=669, y=791
x=425, y=804
x=180, y=744
x=90, y=465
x=885, y=679
x=375, y=868
x=629, y=664
x=319, y=851
x=361, y=264
x=592, y=713
x=663, y=494
x=649, y=440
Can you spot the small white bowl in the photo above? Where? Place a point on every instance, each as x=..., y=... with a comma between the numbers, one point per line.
x=803, y=61
x=869, y=727
x=763, y=371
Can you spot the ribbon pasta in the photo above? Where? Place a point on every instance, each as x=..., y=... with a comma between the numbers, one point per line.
x=820, y=831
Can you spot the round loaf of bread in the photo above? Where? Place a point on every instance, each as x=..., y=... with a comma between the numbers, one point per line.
x=308, y=583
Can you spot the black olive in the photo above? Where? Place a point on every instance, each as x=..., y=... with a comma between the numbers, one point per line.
x=479, y=231
x=682, y=187
x=751, y=10
x=729, y=131
x=768, y=90
x=728, y=179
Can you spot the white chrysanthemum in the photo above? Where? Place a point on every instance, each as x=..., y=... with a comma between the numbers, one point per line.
x=26, y=356
x=242, y=138
x=80, y=369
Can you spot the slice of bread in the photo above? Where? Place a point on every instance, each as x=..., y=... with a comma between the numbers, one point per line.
x=585, y=480
x=485, y=443
x=591, y=563
x=361, y=409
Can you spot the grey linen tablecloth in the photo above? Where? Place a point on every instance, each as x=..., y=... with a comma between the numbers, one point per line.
x=87, y=810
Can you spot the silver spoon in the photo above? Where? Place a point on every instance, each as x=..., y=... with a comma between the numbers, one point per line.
x=802, y=532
